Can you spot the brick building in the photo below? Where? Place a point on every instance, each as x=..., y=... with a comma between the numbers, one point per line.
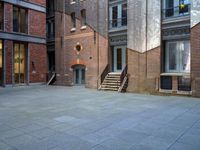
x=22, y=42
x=80, y=41
x=133, y=45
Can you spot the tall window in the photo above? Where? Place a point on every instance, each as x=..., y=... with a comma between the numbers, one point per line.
x=124, y=14
x=114, y=16
x=83, y=17
x=73, y=20
x=118, y=15
x=174, y=8
x=177, y=56
x=1, y=16
x=20, y=20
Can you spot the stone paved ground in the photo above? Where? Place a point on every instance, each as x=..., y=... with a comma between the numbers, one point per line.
x=75, y=118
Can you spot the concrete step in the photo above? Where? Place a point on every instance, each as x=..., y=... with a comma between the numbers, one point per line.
x=109, y=89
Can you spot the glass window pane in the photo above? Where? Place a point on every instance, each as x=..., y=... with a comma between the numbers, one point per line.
x=15, y=19
x=185, y=56
x=124, y=14
x=172, y=53
x=23, y=21
x=114, y=16
x=1, y=62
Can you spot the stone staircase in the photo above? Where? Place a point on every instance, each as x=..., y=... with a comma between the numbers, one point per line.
x=111, y=82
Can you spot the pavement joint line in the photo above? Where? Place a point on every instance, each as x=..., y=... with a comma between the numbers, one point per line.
x=186, y=130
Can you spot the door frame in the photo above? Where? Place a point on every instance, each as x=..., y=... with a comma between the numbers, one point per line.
x=25, y=64
x=79, y=68
x=123, y=58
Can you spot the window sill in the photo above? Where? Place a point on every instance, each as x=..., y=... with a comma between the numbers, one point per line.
x=176, y=74
x=83, y=27
x=72, y=3
x=73, y=30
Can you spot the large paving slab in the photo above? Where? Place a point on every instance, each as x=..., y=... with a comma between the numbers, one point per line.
x=76, y=118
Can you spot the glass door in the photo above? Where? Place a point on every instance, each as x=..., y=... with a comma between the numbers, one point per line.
x=79, y=75
x=20, y=63
x=119, y=58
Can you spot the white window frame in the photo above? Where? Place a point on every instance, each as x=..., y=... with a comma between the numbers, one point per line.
x=179, y=65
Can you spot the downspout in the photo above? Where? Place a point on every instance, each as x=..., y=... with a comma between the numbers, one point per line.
x=98, y=72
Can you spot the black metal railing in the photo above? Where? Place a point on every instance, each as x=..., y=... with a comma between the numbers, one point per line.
x=123, y=74
x=104, y=73
x=116, y=23
x=181, y=10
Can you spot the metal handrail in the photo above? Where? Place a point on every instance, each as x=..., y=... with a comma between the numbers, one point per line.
x=116, y=23
x=104, y=73
x=123, y=74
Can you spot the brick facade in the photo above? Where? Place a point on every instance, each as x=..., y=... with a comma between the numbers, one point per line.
x=35, y=52
x=143, y=70
x=195, y=60
x=67, y=56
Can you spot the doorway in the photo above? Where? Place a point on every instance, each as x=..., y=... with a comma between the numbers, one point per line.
x=20, y=64
x=119, y=58
x=79, y=74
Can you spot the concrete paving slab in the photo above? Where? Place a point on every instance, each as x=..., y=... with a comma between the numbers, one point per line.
x=57, y=118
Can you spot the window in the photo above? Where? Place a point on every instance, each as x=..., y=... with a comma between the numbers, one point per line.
x=124, y=14
x=83, y=17
x=118, y=16
x=174, y=8
x=177, y=56
x=20, y=20
x=1, y=16
x=73, y=20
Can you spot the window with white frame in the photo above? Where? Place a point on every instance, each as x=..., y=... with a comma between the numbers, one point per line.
x=177, y=56
x=174, y=8
x=118, y=15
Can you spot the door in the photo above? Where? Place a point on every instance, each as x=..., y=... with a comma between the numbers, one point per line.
x=119, y=58
x=1, y=62
x=20, y=63
x=79, y=75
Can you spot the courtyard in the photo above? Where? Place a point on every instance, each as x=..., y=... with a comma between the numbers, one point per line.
x=76, y=118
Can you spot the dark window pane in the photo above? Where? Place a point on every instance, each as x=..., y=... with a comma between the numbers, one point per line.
x=124, y=14
x=166, y=83
x=184, y=84
x=15, y=19
x=114, y=16
x=1, y=16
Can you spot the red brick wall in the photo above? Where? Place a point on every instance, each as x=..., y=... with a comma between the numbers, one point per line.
x=143, y=70
x=8, y=9
x=37, y=23
x=39, y=2
x=8, y=51
x=195, y=60
x=38, y=55
x=66, y=56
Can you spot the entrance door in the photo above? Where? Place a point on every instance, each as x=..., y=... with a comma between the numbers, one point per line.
x=79, y=75
x=1, y=63
x=119, y=58
x=20, y=63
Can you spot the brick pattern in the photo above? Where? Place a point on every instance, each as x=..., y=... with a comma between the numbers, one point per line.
x=195, y=60
x=68, y=57
x=8, y=13
x=143, y=70
x=8, y=52
x=37, y=23
x=38, y=56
